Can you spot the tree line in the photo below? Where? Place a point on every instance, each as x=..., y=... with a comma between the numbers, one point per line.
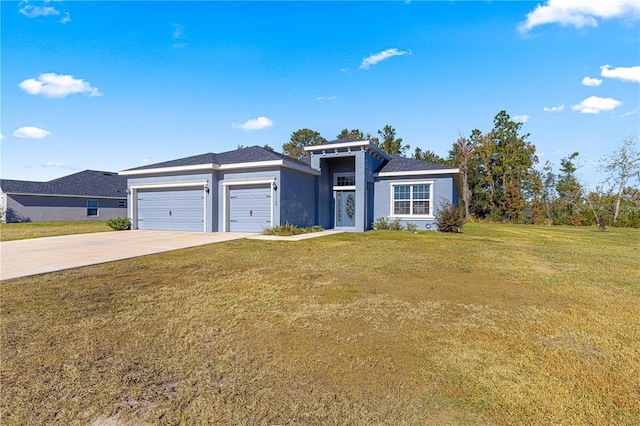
x=500, y=180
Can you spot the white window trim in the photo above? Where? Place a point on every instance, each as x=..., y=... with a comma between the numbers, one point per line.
x=337, y=187
x=395, y=183
x=239, y=182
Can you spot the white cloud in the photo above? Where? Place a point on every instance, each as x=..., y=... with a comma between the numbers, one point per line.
x=325, y=98
x=591, y=82
x=31, y=132
x=66, y=18
x=557, y=108
x=178, y=31
x=595, y=105
x=54, y=85
x=580, y=13
x=623, y=73
x=254, y=124
x=178, y=35
x=56, y=164
x=31, y=11
x=521, y=118
x=381, y=56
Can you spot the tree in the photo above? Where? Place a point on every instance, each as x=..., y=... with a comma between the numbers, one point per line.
x=428, y=156
x=462, y=156
x=622, y=166
x=569, y=192
x=547, y=193
x=299, y=139
x=267, y=146
x=514, y=165
x=351, y=134
x=390, y=144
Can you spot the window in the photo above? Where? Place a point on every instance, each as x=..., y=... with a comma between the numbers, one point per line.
x=92, y=207
x=349, y=180
x=411, y=199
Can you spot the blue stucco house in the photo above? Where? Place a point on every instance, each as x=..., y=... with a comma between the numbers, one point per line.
x=344, y=184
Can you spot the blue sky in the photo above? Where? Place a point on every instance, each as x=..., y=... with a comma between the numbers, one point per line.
x=115, y=85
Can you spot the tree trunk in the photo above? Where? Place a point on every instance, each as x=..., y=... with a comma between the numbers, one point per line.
x=620, y=190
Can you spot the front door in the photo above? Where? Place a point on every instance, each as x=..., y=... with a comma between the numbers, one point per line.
x=345, y=209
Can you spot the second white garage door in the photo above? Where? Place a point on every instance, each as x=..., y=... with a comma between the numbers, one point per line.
x=171, y=210
x=249, y=208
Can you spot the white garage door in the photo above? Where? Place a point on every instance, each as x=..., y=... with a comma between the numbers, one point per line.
x=249, y=208
x=171, y=210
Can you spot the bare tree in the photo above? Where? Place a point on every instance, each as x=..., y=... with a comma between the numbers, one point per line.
x=465, y=151
x=622, y=166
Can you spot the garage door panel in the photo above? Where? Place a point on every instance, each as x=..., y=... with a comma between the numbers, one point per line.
x=249, y=208
x=171, y=210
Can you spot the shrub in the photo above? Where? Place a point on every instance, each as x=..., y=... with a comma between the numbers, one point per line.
x=382, y=224
x=119, y=223
x=449, y=217
x=287, y=229
x=412, y=227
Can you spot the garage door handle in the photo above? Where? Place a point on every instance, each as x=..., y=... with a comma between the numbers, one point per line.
x=169, y=212
x=250, y=212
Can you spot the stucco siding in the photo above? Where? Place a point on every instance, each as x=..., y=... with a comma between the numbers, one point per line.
x=34, y=208
x=443, y=188
x=298, y=195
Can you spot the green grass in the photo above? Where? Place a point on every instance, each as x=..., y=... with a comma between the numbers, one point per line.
x=22, y=231
x=497, y=325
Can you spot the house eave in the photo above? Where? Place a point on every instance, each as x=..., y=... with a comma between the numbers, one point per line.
x=220, y=167
x=102, y=197
x=366, y=144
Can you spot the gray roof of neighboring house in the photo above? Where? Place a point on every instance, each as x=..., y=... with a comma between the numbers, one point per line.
x=249, y=154
x=403, y=164
x=88, y=183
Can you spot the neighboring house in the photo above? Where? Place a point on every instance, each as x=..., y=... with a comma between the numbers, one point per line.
x=87, y=195
x=345, y=184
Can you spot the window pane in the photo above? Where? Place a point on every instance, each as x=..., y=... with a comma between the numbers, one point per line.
x=421, y=192
x=420, y=207
x=402, y=192
x=401, y=207
x=92, y=204
x=346, y=181
x=92, y=212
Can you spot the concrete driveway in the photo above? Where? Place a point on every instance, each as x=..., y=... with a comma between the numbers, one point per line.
x=41, y=255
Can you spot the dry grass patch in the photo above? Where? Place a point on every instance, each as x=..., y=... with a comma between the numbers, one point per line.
x=23, y=231
x=499, y=325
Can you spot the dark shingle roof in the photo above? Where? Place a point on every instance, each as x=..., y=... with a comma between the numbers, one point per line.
x=403, y=164
x=89, y=183
x=195, y=160
x=249, y=154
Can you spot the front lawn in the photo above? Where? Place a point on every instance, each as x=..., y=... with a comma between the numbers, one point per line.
x=497, y=325
x=22, y=231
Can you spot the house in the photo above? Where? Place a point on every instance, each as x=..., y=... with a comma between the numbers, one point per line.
x=344, y=184
x=87, y=195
